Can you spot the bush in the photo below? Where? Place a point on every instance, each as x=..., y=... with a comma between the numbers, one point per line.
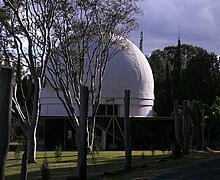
x=58, y=152
x=45, y=169
x=17, y=153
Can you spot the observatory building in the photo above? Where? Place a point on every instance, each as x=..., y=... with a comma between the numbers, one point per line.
x=127, y=70
x=130, y=70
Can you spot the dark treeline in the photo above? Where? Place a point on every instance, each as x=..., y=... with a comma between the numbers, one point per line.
x=199, y=76
x=186, y=72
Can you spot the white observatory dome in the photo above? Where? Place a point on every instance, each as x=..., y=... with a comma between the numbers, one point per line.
x=129, y=70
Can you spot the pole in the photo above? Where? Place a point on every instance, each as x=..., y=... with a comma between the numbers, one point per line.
x=113, y=124
x=6, y=76
x=127, y=129
x=82, y=134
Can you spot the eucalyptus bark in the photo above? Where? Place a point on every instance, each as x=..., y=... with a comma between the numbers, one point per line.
x=6, y=76
x=32, y=127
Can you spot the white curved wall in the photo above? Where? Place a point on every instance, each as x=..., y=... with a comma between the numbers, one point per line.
x=128, y=70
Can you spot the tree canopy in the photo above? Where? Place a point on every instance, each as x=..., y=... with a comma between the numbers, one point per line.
x=85, y=33
x=199, y=76
x=27, y=27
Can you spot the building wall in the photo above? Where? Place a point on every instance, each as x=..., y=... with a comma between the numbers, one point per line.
x=55, y=131
x=127, y=70
x=147, y=133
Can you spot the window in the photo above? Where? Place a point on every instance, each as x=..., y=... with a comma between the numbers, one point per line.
x=107, y=109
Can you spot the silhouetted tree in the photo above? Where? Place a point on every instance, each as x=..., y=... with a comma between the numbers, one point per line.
x=198, y=77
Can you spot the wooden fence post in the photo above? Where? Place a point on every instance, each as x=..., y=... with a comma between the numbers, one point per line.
x=127, y=130
x=82, y=134
x=6, y=76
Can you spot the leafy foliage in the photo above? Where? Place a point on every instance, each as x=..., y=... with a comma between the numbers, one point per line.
x=213, y=123
x=58, y=152
x=45, y=173
x=199, y=76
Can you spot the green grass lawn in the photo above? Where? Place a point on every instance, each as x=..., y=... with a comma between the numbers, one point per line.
x=144, y=163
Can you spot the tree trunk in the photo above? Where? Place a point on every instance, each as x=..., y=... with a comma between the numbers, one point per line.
x=127, y=130
x=32, y=144
x=82, y=134
x=177, y=123
x=203, y=127
x=32, y=127
x=186, y=127
x=6, y=75
x=198, y=128
x=24, y=165
x=91, y=136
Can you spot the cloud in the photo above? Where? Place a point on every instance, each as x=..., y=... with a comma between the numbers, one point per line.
x=199, y=21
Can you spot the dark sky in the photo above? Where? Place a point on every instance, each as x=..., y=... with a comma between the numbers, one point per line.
x=199, y=22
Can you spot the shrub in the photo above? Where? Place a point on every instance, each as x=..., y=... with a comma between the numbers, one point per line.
x=45, y=169
x=58, y=152
x=17, y=154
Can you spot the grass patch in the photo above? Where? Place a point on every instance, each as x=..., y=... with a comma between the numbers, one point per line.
x=108, y=164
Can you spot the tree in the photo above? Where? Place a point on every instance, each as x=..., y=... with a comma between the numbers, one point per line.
x=177, y=71
x=198, y=78
x=90, y=34
x=213, y=123
x=6, y=41
x=6, y=79
x=162, y=66
x=30, y=25
x=201, y=78
x=141, y=41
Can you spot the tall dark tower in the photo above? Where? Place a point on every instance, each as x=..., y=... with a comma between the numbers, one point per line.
x=141, y=41
x=177, y=68
x=169, y=107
